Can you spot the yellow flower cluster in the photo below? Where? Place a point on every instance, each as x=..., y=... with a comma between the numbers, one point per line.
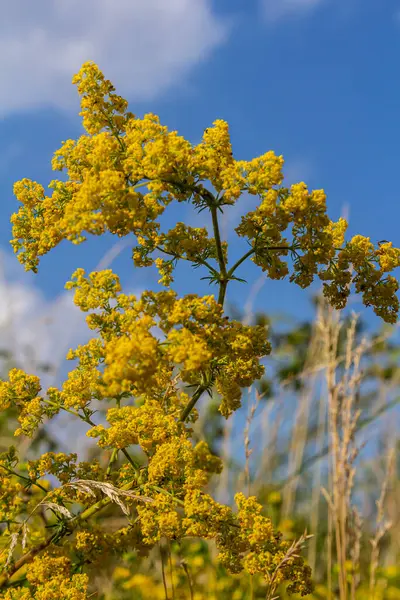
x=370, y=268
x=198, y=339
x=139, y=584
x=64, y=467
x=51, y=579
x=101, y=107
x=260, y=536
x=96, y=291
x=10, y=499
x=122, y=154
x=246, y=540
x=21, y=392
x=93, y=545
x=19, y=389
x=205, y=460
x=160, y=519
x=173, y=462
x=147, y=426
x=120, y=177
x=317, y=247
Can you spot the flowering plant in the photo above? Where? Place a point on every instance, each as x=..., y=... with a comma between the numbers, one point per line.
x=152, y=358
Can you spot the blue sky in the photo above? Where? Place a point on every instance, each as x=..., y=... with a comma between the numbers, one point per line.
x=314, y=80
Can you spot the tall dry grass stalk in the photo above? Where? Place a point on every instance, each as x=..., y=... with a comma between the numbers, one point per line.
x=334, y=376
x=252, y=407
x=342, y=390
x=383, y=525
x=253, y=400
x=317, y=483
x=299, y=434
x=355, y=550
x=267, y=435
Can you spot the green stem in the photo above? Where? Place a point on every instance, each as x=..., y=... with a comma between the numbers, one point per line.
x=240, y=261
x=114, y=131
x=139, y=185
x=191, y=404
x=24, y=478
x=72, y=412
x=251, y=587
x=223, y=275
x=162, y=491
x=252, y=251
x=130, y=459
x=222, y=292
x=171, y=572
x=178, y=256
x=17, y=583
x=50, y=403
x=185, y=568
x=163, y=572
x=113, y=458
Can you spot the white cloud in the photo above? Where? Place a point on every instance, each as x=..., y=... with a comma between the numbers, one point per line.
x=277, y=10
x=143, y=46
x=38, y=331
x=35, y=331
x=35, y=334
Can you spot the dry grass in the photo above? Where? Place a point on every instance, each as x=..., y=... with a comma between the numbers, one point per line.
x=333, y=377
